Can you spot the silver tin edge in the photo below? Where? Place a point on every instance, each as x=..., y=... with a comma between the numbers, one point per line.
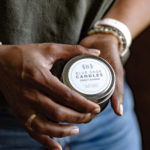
x=107, y=93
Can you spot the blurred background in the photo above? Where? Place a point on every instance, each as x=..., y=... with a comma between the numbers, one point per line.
x=138, y=76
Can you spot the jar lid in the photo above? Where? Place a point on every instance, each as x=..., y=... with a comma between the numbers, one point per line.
x=91, y=76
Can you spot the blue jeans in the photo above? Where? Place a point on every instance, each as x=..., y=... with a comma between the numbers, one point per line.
x=106, y=132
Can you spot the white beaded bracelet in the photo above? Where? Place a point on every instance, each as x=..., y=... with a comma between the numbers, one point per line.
x=118, y=25
x=116, y=28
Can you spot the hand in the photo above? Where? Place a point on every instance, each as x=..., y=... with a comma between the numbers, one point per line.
x=108, y=44
x=30, y=88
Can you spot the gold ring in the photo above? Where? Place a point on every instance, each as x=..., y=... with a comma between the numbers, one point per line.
x=29, y=122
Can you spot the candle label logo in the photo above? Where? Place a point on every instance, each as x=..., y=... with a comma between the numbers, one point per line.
x=89, y=76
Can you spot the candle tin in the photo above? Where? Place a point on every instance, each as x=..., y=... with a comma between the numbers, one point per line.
x=90, y=76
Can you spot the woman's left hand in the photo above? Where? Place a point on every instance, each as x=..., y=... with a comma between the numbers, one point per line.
x=108, y=45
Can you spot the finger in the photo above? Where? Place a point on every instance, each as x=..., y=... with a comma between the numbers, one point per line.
x=86, y=42
x=42, y=126
x=53, y=87
x=63, y=51
x=114, y=59
x=46, y=141
x=55, y=111
x=61, y=113
x=64, y=95
x=118, y=96
x=23, y=115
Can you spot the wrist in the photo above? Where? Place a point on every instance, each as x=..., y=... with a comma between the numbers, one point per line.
x=104, y=39
x=117, y=29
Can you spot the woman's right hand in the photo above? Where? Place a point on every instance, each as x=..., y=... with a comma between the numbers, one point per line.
x=30, y=88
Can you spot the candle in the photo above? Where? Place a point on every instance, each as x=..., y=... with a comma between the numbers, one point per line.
x=90, y=76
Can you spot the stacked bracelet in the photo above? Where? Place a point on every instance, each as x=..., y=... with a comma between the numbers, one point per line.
x=116, y=28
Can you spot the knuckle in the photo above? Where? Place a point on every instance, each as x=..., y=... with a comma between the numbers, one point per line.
x=62, y=133
x=30, y=96
x=68, y=95
x=86, y=118
x=83, y=118
x=46, y=142
x=59, y=132
x=52, y=46
x=58, y=116
x=36, y=75
x=79, y=119
x=25, y=93
x=39, y=127
x=86, y=121
x=29, y=75
x=86, y=108
x=80, y=48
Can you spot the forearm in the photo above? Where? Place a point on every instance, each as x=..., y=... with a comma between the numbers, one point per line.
x=134, y=13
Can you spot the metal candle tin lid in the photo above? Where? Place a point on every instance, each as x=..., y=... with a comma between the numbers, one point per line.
x=91, y=76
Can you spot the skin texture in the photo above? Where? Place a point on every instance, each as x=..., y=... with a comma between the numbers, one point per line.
x=29, y=87
x=32, y=88
x=133, y=13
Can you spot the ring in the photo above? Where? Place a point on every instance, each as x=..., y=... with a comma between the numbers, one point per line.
x=29, y=122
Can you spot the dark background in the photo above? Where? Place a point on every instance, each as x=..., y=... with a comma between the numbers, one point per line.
x=138, y=76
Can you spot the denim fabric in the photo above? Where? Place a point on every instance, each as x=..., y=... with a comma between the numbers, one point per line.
x=106, y=132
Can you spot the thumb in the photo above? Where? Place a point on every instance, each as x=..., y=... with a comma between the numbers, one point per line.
x=69, y=51
x=95, y=52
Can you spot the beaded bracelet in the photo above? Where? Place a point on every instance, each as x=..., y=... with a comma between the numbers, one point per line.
x=116, y=33
x=116, y=28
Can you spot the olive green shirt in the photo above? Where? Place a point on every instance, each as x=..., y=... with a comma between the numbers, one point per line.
x=59, y=21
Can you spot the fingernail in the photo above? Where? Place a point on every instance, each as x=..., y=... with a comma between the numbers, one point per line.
x=94, y=51
x=121, y=110
x=75, y=131
x=97, y=110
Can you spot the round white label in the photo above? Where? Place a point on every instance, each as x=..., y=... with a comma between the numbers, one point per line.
x=89, y=76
